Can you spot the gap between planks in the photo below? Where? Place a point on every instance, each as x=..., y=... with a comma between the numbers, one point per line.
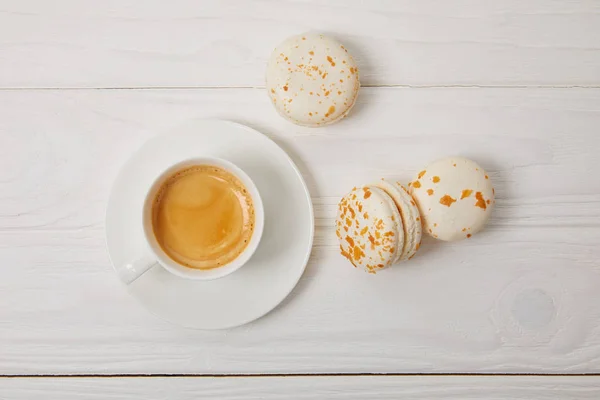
x=561, y=87
x=298, y=375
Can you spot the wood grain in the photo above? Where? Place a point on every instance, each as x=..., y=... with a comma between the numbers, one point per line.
x=347, y=388
x=190, y=43
x=520, y=297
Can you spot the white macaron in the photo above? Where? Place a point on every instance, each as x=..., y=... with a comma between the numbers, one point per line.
x=411, y=218
x=369, y=229
x=312, y=80
x=455, y=197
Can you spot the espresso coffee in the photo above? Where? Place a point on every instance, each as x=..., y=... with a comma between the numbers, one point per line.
x=203, y=217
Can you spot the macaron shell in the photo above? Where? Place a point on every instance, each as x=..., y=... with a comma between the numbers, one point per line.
x=411, y=217
x=312, y=80
x=369, y=229
x=455, y=197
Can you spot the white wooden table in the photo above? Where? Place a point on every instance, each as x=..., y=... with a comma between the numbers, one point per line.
x=513, y=84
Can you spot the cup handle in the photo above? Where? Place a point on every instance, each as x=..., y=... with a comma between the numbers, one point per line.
x=133, y=270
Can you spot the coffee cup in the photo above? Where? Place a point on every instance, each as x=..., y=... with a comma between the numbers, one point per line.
x=157, y=252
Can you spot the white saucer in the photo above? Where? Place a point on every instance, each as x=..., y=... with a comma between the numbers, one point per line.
x=273, y=271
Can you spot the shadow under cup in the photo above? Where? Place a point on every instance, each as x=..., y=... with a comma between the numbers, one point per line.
x=196, y=273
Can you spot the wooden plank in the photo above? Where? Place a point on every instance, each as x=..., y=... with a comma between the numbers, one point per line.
x=69, y=43
x=520, y=297
x=314, y=387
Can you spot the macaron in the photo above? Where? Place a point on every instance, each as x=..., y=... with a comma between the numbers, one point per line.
x=369, y=229
x=455, y=198
x=312, y=80
x=378, y=225
x=409, y=212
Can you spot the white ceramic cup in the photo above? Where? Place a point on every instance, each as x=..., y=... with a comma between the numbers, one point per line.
x=156, y=256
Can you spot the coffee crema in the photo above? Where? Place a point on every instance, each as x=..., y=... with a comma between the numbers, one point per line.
x=203, y=217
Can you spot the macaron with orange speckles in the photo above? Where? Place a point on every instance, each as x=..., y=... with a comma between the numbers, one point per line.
x=455, y=197
x=409, y=212
x=369, y=229
x=312, y=80
x=378, y=225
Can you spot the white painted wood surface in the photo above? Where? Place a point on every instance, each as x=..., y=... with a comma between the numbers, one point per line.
x=139, y=43
x=513, y=84
x=520, y=297
x=346, y=388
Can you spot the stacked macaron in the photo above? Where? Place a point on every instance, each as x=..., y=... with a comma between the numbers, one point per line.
x=312, y=80
x=378, y=225
x=381, y=224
